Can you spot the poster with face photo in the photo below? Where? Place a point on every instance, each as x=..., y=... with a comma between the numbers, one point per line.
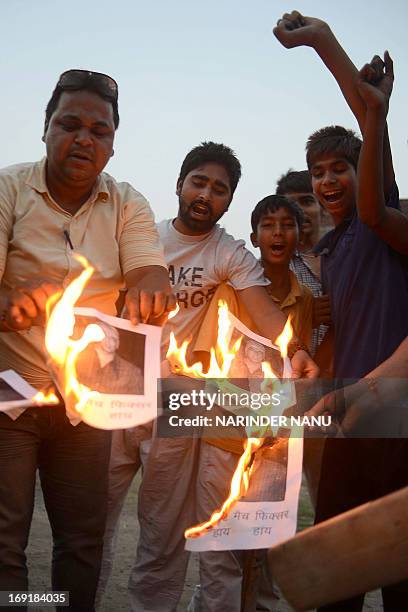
x=113, y=370
x=267, y=513
x=254, y=350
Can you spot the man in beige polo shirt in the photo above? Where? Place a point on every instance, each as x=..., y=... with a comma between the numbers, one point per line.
x=48, y=210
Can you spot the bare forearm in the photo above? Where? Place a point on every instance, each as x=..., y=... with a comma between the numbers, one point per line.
x=346, y=74
x=388, y=223
x=370, y=191
x=343, y=70
x=267, y=317
x=395, y=366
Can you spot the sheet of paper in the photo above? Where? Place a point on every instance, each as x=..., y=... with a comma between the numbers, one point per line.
x=122, y=370
x=267, y=514
x=15, y=393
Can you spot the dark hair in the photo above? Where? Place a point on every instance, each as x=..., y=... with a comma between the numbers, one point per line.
x=333, y=139
x=88, y=85
x=294, y=182
x=273, y=203
x=216, y=153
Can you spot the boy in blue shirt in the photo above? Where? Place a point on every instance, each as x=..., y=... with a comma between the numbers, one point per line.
x=364, y=268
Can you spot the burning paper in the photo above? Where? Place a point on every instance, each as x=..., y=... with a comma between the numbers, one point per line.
x=242, y=361
x=16, y=395
x=100, y=361
x=267, y=513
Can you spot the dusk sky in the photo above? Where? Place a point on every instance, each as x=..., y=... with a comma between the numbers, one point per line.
x=189, y=72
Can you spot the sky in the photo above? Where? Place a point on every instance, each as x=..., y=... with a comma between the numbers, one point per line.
x=191, y=71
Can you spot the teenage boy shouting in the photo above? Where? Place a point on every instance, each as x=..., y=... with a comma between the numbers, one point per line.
x=364, y=268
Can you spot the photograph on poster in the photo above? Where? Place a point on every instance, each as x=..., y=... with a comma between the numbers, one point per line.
x=115, y=368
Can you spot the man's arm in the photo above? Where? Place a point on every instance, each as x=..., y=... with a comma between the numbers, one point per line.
x=295, y=30
x=359, y=404
x=270, y=322
x=149, y=298
x=390, y=224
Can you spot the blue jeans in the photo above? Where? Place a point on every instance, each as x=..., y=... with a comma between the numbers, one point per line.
x=73, y=467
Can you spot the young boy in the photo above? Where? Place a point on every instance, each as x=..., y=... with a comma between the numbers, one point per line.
x=276, y=224
x=364, y=268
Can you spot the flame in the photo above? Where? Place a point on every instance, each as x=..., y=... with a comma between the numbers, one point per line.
x=239, y=486
x=173, y=312
x=45, y=398
x=221, y=359
x=285, y=337
x=62, y=349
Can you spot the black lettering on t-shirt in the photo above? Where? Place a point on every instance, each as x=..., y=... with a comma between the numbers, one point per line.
x=196, y=276
x=183, y=275
x=182, y=298
x=198, y=298
x=171, y=275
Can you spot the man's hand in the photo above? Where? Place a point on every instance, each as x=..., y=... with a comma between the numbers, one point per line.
x=375, y=82
x=296, y=30
x=144, y=306
x=149, y=298
x=354, y=407
x=321, y=311
x=24, y=306
x=303, y=366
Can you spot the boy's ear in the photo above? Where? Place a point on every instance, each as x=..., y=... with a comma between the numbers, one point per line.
x=254, y=240
x=179, y=185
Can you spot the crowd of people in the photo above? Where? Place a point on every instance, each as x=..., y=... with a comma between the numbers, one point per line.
x=346, y=323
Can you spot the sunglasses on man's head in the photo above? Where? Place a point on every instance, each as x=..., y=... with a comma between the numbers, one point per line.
x=76, y=79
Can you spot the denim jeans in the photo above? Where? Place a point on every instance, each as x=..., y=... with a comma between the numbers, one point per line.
x=73, y=468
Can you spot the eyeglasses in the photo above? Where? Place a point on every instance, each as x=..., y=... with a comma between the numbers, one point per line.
x=77, y=79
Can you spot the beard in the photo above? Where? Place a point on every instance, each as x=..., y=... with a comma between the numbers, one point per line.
x=201, y=226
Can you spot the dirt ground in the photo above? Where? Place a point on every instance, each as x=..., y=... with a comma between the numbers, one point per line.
x=39, y=553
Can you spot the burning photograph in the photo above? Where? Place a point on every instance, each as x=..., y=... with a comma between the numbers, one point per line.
x=116, y=363
x=107, y=385
x=248, y=361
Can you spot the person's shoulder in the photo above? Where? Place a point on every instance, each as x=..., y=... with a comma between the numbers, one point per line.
x=16, y=177
x=18, y=172
x=225, y=240
x=122, y=191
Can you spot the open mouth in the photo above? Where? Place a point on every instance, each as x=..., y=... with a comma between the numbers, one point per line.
x=278, y=249
x=332, y=196
x=201, y=211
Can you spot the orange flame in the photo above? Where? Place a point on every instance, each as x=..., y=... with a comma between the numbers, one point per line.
x=218, y=367
x=239, y=486
x=285, y=337
x=173, y=312
x=177, y=358
x=62, y=349
x=45, y=398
